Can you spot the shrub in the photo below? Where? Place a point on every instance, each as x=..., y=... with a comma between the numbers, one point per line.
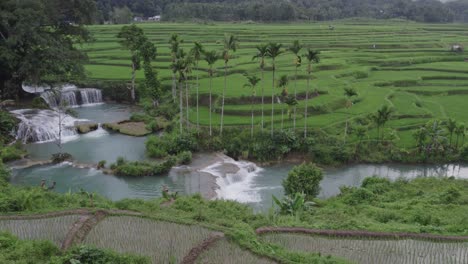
x=451, y=195
x=7, y=124
x=357, y=196
x=39, y=103
x=10, y=153
x=304, y=178
x=61, y=157
x=91, y=255
x=101, y=164
x=185, y=157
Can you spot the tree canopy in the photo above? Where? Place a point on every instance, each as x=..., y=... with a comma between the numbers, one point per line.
x=37, y=41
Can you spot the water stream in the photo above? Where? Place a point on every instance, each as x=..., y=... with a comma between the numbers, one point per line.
x=213, y=175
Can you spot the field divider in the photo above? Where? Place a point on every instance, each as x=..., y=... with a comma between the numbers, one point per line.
x=81, y=228
x=359, y=234
x=45, y=215
x=196, y=251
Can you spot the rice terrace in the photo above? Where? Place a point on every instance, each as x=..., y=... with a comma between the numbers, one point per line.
x=406, y=65
x=233, y=131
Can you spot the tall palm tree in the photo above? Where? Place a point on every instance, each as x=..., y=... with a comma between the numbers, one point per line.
x=283, y=83
x=436, y=136
x=230, y=44
x=187, y=64
x=312, y=56
x=295, y=48
x=349, y=93
x=460, y=131
x=174, y=43
x=382, y=117
x=197, y=53
x=274, y=50
x=211, y=57
x=420, y=136
x=252, y=82
x=179, y=67
x=451, y=126
x=262, y=51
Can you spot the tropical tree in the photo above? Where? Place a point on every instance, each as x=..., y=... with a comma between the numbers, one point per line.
x=304, y=178
x=188, y=62
x=152, y=85
x=274, y=50
x=174, y=45
x=361, y=133
x=295, y=48
x=382, y=117
x=451, y=126
x=252, y=82
x=460, y=131
x=197, y=53
x=132, y=38
x=211, y=57
x=420, y=135
x=230, y=44
x=262, y=52
x=349, y=92
x=312, y=56
x=179, y=67
x=436, y=137
x=282, y=84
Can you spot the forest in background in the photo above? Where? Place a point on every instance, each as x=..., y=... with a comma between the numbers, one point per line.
x=432, y=11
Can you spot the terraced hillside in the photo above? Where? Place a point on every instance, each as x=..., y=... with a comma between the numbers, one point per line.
x=405, y=65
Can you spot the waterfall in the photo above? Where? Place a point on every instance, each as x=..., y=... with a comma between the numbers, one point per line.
x=72, y=96
x=43, y=125
x=90, y=96
x=235, y=180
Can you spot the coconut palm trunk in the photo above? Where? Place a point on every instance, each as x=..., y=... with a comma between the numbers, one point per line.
x=198, y=112
x=132, y=90
x=273, y=98
x=181, y=105
x=263, y=96
x=307, y=102
x=295, y=96
x=252, y=112
x=187, y=102
x=222, y=100
x=211, y=92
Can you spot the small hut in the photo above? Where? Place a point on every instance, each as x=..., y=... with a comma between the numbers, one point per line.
x=457, y=48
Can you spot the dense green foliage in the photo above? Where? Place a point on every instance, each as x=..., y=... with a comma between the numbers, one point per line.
x=37, y=41
x=305, y=179
x=13, y=250
x=120, y=11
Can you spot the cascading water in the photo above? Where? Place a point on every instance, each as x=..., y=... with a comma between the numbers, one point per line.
x=43, y=125
x=90, y=96
x=235, y=180
x=72, y=96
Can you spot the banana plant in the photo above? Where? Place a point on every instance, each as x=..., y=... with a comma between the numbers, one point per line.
x=293, y=205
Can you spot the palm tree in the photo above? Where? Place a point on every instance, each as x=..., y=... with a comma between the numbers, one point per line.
x=451, y=126
x=460, y=131
x=262, y=51
x=252, y=82
x=381, y=117
x=211, y=57
x=295, y=49
x=197, y=52
x=311, y=56
x=274, y=50
x=420, y=136
x=174, y=42
x=179, y=66
x=230, y=44
x=349, y=93
x=187, y=64
x=282, y=83
x=436, y=136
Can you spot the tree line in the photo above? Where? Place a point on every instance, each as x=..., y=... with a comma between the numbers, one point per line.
x=434, y=11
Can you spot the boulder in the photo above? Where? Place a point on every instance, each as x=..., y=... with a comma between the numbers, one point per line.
x=136, y=129
x=86, y=127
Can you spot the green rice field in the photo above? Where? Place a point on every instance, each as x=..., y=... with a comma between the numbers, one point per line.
x=54, y=229
x=161, y=241
x=369, y=251
x=406, y=65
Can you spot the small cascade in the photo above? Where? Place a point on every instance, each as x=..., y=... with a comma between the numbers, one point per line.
x=43, y=125
x=235, y=180
x=72, y=96
x=90, y=96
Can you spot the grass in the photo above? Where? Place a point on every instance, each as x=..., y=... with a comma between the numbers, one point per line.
x=413, y=52
x=53, y=229
x=369, y=251
x=162, y=241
